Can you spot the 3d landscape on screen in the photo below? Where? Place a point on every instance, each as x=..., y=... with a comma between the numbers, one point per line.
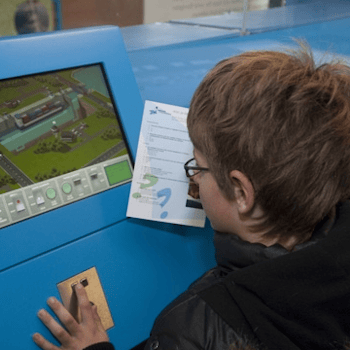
x=55, y=123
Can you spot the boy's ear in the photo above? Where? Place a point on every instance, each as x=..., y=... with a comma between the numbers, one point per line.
x=244, y=191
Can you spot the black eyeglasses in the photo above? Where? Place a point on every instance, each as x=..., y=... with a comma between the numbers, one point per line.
x=192, y=169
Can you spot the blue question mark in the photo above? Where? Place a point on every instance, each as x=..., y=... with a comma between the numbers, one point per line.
x=165, y=192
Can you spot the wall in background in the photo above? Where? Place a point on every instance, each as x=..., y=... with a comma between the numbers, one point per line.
x=84, y=13
x=68, y=14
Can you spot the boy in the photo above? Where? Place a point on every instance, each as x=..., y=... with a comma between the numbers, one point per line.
x=271, y=162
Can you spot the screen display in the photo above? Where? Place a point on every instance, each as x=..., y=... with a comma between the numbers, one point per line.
x=55, y=124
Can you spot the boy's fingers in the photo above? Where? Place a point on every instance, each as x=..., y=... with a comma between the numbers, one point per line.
x=97, y=318
x=95, y=314
x=63, y=315
x=84, y=303
x=43, y=343
x=55, y=328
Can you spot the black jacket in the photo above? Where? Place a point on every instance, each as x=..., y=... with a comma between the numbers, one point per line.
x=280, y=300
x=275, y=299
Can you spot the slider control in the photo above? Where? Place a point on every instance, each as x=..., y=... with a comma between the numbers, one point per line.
x=83, y=281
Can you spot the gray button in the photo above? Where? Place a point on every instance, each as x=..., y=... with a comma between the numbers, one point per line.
x=50, y=193
x=66, y=188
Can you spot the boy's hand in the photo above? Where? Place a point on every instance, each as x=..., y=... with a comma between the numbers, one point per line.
x=75, y=336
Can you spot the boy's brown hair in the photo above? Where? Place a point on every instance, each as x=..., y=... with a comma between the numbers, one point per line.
x=285, y=124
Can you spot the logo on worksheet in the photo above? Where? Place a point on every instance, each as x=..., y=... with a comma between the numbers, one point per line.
x=155, y=111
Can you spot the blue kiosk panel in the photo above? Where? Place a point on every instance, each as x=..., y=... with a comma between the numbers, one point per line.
x=160, y=70
x=141, y=268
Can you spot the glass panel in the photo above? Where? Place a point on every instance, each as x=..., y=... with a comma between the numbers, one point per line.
x=171, y=10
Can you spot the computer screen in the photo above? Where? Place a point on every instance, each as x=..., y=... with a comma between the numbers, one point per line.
x=61, y=135
x=53, y=125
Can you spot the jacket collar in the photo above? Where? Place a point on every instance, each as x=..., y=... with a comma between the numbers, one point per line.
x=233, y=253
x=301, y=297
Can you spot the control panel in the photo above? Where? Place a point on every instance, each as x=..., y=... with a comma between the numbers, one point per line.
x=38, y=198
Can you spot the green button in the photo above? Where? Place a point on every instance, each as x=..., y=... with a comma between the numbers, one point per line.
x=67, y=188
x=50, y=193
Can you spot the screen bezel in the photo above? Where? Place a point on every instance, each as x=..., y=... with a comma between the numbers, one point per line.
x=44, y=52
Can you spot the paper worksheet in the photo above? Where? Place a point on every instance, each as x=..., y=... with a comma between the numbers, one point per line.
x=160, y=188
